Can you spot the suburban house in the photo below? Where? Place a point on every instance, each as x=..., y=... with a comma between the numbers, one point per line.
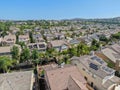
x=86, y=40
x=110, y=55
x=17, y=81
x=38, y=38
x=24, y=38
x=59, y=36
x=5, y=51
x=14, y=30
x=49, y=37
x=74, y=42
x=96, y=72
x=59, y=45
x=94, y=36
x=116, y=48
x=66, y=77
x=42, y=46
x=8, y=40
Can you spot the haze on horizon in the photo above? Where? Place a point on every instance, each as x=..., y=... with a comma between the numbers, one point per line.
x=58, y=9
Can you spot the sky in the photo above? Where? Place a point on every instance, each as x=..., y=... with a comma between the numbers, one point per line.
x=58, y=9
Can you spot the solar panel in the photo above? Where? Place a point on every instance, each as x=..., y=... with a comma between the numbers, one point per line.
x=97, y=59
x=93, y=66
x=107, y=69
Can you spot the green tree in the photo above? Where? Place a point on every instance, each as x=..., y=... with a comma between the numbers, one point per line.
x=35, y=54
x=72, y=52
x=4, y=33
x=95, y=45
x=25, y=55
x=22, y=44
x=5, y=63
x=31, y=37
x=82, y=49
x=15, y=53
x=104, y=38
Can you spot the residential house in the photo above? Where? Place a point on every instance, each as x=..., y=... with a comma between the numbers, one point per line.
x=24, y=38
x=94, y=36
x=116, y=48
x=42, y=46
x=110, y=55
x=8, y=40
x=59, y=36
x=59, y=45
x=86, y=40
x=49, y=37
x=38, y=38
x=5, y=51
x=74, y=42
x=14, y=30
x=17, y=81
x=96, y=72
x=66, y=77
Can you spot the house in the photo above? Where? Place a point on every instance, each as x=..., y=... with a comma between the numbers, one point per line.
x=17, y=81
x=116, y=48
x=59, y=36
x=67, y=77
x=74, y=42
x=8, y=40
x=96, y=72
x=59, y=45
x=110, y=54
x=42, y=46
x=94, y=36
x=24, y=38
x=38, y=38
x=86, y=40
x=14, y=30
x=49, y=37
x=5, y=50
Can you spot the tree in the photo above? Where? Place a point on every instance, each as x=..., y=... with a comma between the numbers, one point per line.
x=116, y=36
x=51, y=52
x=103, y=38
x=5, y=63
x=35, y=54
x=72, y=52
x=15, y=53
x=95, y=45
x=31, y=37
x=82, y=49
x=22, y=44
x=4, y=33
x=25, y=55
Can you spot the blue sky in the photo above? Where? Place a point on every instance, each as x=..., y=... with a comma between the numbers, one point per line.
x=58, y=9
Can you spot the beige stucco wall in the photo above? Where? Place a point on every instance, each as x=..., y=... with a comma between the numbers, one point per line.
x=97, y=81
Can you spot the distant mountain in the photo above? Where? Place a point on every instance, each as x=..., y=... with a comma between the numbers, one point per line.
x=115, y=20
